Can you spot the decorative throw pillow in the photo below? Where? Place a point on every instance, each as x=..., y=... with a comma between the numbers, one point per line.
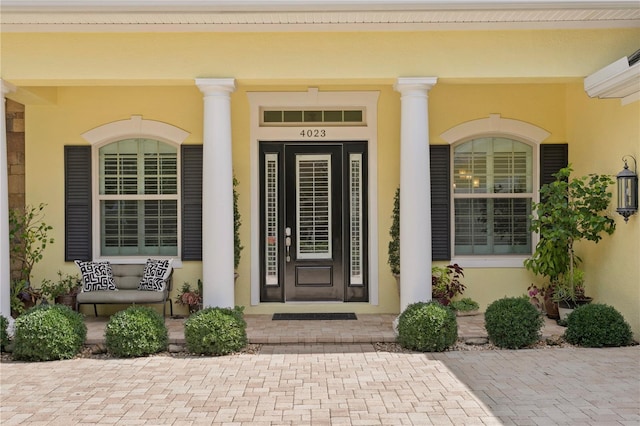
x=96, y=276
x=156, y=271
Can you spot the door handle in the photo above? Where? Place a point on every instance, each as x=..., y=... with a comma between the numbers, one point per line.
x=287, y=242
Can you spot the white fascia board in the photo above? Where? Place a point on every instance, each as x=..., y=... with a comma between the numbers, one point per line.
x=616, y=80
x=301, y=5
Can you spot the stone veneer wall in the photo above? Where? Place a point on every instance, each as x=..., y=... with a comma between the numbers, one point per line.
x=15, y=161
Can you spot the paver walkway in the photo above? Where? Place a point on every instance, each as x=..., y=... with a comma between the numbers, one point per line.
x=330, y=384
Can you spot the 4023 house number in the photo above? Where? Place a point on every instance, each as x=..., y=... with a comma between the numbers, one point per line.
x=313, y=133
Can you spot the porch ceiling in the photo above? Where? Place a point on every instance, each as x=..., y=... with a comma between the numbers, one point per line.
x=312, y=15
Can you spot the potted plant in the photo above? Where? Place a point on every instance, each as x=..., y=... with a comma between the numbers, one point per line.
x=542, y=299
x=191, y=298
x=445, y=283
x=63, y=291
x=570, y=294
x=570, y=210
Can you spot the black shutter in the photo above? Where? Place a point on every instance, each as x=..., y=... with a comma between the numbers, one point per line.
x=77, y=199
x=191, y=202
x=440, y=202
x=553, y=157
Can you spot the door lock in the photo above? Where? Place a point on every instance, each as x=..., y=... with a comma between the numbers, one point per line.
x=287, y=242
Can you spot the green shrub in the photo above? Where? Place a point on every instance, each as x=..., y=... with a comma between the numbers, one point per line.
x=136, y=331
x=513, y=322
x=4, y=336
x=216, y=331
x=464, y=305
x=48, y=332
x=597, y=325
x=427, y=327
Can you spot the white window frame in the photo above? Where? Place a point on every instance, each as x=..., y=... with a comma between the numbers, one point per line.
x=495, y=126
x=133, y=128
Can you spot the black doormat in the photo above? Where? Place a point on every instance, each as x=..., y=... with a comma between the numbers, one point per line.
x=316, y=316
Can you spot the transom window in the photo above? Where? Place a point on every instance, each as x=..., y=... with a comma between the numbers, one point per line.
x=138, y=197
x=492, y=192
x=316, y=116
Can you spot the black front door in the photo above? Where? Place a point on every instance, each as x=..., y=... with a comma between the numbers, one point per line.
x=313, y=240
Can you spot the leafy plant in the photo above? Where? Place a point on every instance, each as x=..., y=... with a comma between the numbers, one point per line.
x=23, y=296
x=464, y=305
x=597, y=325
x=237, y=244
x=190, y=298
x=28, y=237
x=216, y=331
x=427, y=327
x=569, y=291
x=394, y=231
x=4, y=335
x=48, y=332
x=570, y=210
x=136, y=331
x=445, y=282
x=513, y=322
x=66, y=284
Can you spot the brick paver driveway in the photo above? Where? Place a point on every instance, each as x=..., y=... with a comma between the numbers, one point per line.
x=330, y=384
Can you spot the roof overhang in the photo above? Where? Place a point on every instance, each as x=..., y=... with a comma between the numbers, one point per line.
x=621, y=79
x=312, y=15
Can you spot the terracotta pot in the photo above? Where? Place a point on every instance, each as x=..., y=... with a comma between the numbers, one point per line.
x=551, y=308
x=67, y=300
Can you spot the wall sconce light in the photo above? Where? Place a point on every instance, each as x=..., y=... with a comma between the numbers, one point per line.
x=627, y=189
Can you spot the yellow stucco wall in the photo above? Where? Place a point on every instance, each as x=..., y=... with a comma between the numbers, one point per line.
x=600, y=132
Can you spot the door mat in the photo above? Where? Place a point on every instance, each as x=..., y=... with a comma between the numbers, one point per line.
x=316, y=316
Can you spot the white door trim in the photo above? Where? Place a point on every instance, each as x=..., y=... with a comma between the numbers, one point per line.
x=361, y=132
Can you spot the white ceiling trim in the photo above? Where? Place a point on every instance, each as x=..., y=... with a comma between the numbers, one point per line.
x=211, y=15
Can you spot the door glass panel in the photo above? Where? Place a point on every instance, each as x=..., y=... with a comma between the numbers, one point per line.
x=271, y=219
x=313, y=206
x=355, y=218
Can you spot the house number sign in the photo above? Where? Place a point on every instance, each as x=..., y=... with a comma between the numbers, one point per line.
x=313, y=133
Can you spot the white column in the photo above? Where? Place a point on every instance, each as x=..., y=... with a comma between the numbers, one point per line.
x=5, y=263
x=415, y=194
x=217, y=193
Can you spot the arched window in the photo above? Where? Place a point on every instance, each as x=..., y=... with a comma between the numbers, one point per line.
x=495, y=170
x=138, y=198
x=493, y=190
x=135, y=191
